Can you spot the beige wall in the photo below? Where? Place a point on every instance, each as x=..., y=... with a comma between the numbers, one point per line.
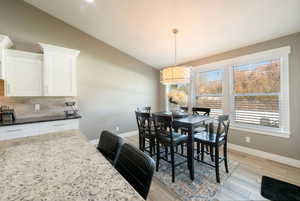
x=286, y=147
x=110, y=83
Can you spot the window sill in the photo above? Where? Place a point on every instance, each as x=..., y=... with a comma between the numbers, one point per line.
x=270, y=132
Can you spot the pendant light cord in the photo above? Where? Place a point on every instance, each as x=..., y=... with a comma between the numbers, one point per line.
x=175, y=31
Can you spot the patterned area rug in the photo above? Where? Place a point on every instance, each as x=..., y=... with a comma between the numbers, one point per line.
x=204, y=186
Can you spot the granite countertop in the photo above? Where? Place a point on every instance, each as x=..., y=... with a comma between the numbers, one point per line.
x=39, y=120
x=59, y=167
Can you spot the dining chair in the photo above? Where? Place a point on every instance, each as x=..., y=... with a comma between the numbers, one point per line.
x=184, y=109
x=166, y=137
x=201, y=111
x=198, y=111
x=137, y=168
x=144, y=109
x=215, y=140
x=146, y=132
x=109, y=145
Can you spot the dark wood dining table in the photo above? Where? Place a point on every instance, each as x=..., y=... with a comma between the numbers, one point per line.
x=190, y=122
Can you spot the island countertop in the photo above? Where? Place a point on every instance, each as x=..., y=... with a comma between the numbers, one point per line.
x=59, y=167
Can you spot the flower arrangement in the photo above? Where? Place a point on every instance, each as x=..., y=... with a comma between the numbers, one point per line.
x=178, y=97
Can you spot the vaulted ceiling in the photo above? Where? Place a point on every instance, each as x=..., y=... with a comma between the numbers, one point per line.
x=142, y=28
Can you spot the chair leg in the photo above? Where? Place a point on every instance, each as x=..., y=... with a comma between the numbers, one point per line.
x=151, y=146
x=217, y=163
x=141, y=142
x=157, y=156
x=225, y=157
x=198, y=150
x=182, y=148
x=144, y=143
x=202, y=152
x=173, y=163
x=166, y=152
x=211, y=151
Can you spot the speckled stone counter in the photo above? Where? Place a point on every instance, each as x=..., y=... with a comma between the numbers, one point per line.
x=59, y=167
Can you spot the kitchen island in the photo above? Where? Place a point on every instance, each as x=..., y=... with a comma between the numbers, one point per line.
x=60, y=166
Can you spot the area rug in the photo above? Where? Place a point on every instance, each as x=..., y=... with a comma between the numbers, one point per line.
x=203, y=188
x=277, y=190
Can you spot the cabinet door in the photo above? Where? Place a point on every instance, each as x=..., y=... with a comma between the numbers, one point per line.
x=59, y=75
x=23, y=76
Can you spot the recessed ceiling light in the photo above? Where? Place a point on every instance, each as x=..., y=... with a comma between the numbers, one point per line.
x=90, y=1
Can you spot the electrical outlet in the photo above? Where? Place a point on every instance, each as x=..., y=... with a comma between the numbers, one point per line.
x=117, y=128
x=37, y=107
x=248, y=139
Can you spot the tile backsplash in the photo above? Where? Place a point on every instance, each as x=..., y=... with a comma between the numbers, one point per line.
x=25, y=106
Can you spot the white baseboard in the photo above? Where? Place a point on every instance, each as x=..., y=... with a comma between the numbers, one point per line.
x=266, y=155
x=126, y=134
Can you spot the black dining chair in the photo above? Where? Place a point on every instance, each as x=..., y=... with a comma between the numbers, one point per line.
x=146, y=132
x=144, y=109
x=137, y=168
x=184, y=109
x=215, y=140
x=166, y=137
x=109, y=145
x=197, y=111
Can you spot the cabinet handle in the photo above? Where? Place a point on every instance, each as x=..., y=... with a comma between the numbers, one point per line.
x=57, y=125
x=14, y=130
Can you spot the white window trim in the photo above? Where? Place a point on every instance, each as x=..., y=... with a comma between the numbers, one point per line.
x=227, y=66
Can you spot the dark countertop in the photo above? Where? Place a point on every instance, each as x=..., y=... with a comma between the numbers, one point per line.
x=39, y=120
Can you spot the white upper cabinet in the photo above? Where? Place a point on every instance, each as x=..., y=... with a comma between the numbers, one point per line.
x=52, y=73
x=59, y=71
x=5, y=43
x=23, y=73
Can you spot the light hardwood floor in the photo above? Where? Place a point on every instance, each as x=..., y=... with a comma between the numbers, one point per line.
x=244, y=184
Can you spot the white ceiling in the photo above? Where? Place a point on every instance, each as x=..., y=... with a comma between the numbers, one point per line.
x=142, y=28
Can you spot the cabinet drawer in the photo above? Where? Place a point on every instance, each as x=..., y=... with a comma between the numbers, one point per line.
x=11, y=132
x=57, y=126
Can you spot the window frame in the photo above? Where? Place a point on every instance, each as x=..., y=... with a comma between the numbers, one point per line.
x=228, y=84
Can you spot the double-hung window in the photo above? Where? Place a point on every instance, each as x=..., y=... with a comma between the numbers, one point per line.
x=209, y=91
x=252, y=89
x=256, y=94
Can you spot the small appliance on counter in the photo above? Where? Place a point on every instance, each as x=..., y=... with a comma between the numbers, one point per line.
x=7, y=115
x=72, y=109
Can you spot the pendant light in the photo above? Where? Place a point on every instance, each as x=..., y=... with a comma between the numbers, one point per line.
x=175, y=74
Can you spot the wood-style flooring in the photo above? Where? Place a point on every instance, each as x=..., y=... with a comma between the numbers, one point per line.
x=245, y=182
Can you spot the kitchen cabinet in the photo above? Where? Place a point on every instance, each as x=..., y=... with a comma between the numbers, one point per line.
x=33, y=129
x=23, y=73
x=59, y=70
x=5, y=43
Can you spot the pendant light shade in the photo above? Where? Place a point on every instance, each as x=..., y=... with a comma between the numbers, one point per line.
x=175, y=74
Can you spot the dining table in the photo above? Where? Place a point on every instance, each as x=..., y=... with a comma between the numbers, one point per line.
x=190, y=122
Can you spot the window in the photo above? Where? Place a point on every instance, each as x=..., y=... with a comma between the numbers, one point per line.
x=209, y=91
x=253, y=89
x=256, y=94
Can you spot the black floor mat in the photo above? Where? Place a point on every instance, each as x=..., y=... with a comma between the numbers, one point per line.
x=277, y=190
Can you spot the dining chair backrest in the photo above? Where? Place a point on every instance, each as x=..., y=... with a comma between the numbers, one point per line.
x=110, y=145
x=143, y=120
x=137, y=168
x=201, y=111
x=184, y=109
x=223, y=127
x=163, y=125
x=144, y=109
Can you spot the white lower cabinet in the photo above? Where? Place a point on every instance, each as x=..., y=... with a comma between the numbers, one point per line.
x=26, y=130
